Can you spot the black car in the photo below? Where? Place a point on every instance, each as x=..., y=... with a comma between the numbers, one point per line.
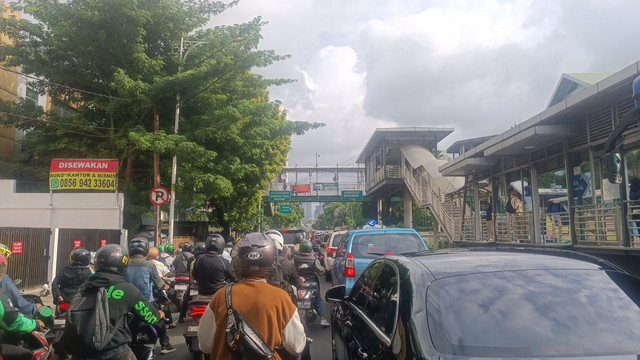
x=511, y=303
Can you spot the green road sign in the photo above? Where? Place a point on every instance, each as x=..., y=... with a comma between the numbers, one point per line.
x=279, y=195
x=347, y=195
x=286, y=208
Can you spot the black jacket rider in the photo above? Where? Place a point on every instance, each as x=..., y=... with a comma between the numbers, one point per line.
x=212, y=273
x=289, y=271
x=124, y=297
x=68, y=281
x=308, y=266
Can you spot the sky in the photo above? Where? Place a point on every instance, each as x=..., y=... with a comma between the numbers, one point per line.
x=477, y=66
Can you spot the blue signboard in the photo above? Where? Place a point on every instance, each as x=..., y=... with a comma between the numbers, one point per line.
x=372, y=222
x=581, y=185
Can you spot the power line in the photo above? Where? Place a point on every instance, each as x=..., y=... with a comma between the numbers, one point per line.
x=62, y=85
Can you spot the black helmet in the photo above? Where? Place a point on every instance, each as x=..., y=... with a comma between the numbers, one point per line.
x=139, y=246
x=254, y=255
x=215, y=243
x=80, y=256
x=112, y=257
x=200, y=248
x=187, y=246
x=297, y=238
x=306, y=246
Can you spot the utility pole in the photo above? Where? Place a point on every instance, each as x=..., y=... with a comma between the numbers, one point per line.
x=156, y=176
x=174, y=164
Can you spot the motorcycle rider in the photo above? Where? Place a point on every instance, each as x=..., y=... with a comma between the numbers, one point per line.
x=289, y=271
x=12, y=322
x=199, y=250
x=211, y=270
x=143, y=275
x=267, y=308
x=153, y=256
x=309, y=268
x=6, y=283
x=69, y=280
x=111, y=262
x=297, y=240
x=169, y=249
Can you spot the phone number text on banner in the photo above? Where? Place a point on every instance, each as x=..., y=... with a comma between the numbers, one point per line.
x=83, y=174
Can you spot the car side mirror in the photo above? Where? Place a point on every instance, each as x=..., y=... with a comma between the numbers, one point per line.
x=613, y=160
x=335, y=294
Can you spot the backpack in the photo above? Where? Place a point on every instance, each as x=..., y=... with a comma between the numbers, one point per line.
x=509, y=208
x=277, y=279
x=88, y=315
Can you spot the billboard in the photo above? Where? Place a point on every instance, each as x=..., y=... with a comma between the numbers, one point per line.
x=83, y=174
x=302, y=188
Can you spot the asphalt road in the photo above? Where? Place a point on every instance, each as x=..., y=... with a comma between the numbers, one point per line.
x=320, y=349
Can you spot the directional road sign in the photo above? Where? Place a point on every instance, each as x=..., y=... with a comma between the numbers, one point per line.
x=347, y=195
x=286, y=208
x=279, y=195
x=159, y=195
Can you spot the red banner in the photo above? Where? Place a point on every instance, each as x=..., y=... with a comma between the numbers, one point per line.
x=77, y=244
x=103, y=242
x=84, y=165
x=303, y=188
x=16, y=247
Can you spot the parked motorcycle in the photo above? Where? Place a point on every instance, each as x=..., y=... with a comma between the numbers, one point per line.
x=196, y=309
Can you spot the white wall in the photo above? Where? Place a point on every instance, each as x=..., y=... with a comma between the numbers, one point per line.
x=99, y=210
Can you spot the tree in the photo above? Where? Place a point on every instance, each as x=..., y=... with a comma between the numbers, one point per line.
x=279, y=220
x=111, y=69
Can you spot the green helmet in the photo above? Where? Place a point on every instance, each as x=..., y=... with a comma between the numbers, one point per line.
x=306, y=246
x=169, y=248
x=161, y=247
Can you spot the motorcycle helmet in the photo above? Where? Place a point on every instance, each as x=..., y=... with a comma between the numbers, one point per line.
x=169, y=249
x=139, y=246
x=277, y=238
x=112, y=257
x=306, y=246
x=215, y=243
x=297, y=238
x=80, y=257
x=200, y=248
x=4, y=257
x=187, y=247
x=253, y=256
x=161, y=247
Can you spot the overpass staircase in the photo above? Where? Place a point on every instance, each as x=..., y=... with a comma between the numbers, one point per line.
x=433, y=191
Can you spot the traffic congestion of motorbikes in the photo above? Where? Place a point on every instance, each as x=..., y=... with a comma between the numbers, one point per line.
x=174, y=280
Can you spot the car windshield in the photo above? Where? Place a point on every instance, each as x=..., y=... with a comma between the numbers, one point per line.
x=375, y=245
x=336, y=240
x=567, y=313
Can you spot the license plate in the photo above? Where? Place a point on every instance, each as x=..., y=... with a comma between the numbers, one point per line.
x=59, y=322
x=181, y=287
x=192, y=328
x=304, y=304
x=193, y=292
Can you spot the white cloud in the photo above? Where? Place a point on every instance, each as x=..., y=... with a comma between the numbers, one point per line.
x=478, y=66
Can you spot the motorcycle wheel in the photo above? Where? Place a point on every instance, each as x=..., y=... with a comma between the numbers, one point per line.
x=327, y=275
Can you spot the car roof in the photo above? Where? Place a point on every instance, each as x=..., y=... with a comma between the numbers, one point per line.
x=383, y=231
x=458, y=262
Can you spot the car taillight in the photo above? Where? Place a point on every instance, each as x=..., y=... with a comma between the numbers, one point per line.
x=197, y=310
x=350, y=266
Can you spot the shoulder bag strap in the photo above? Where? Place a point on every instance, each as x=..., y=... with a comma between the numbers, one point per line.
x=231, y=320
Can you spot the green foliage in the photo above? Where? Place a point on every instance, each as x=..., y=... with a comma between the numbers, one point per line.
x=340, y=214
x=116, y=66
x=279, y=220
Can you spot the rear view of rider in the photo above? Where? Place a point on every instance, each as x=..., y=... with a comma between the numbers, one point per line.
x=72, y=276
x=309, y=268
x=289, y=271
x=13, y=323
x=111, y=263
x=144, y=276
x=211, y=271
x=267, y=308
x=180, y=263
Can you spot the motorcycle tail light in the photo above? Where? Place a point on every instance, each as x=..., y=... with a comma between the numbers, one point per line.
x=303, y=294
x=350, y=266
x=63, y=306
x=182, y=278
x=197, y=310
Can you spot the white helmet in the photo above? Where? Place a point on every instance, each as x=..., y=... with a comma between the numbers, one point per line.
x=277, y=238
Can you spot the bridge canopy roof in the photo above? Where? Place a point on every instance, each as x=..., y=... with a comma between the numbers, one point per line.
x=425, y=136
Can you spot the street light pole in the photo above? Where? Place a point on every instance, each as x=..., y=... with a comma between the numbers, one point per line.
x=174, y=164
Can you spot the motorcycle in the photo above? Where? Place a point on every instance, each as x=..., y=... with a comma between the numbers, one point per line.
x=307, y=302
x=38, y=341
x=60, y=319
x=180, y=286
x=143, y=339
x=196, y=309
